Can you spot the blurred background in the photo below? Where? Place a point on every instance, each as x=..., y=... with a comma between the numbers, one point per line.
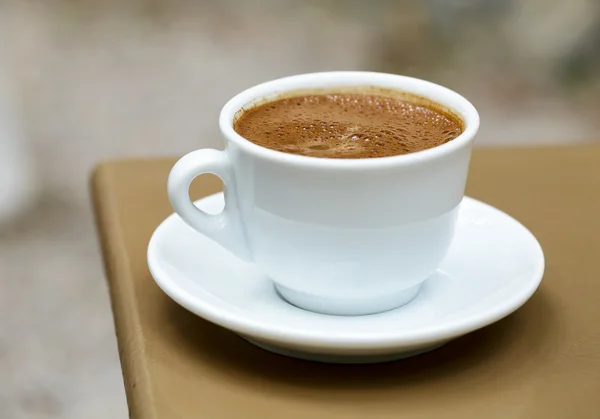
x=83, y=81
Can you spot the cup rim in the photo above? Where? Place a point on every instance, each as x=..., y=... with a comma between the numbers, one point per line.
x=340, y=79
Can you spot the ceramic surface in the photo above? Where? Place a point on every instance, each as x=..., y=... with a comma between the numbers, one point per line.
x=493, y=266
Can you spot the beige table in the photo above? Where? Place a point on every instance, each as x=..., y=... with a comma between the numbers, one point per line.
x=541, y=362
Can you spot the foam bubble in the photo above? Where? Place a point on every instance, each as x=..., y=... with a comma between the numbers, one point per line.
x=347, y=126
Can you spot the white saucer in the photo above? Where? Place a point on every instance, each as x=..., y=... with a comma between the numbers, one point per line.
x=494, y=266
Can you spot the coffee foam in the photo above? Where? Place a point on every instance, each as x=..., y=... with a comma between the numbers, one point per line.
x=348, y=125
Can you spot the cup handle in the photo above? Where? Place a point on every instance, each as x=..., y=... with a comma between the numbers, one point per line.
x=224, y=228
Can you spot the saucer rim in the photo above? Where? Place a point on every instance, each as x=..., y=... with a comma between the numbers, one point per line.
x=312, y=338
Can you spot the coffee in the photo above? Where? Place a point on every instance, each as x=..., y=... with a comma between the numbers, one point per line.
x=348, y=125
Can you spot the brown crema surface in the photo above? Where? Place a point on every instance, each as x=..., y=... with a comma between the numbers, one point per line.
x=347, y=126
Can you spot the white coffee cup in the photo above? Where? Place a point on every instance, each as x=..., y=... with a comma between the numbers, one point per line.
x=336, y=236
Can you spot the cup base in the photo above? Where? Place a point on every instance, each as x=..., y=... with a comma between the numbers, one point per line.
x=347, y=307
